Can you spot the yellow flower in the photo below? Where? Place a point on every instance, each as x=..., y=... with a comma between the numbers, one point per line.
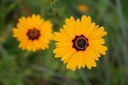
x=80, y=43
x=83, y=8
x=33, y=33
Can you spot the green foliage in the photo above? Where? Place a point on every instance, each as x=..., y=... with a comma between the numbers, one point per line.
x=19, y=67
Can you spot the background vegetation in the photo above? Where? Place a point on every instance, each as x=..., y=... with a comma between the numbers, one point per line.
x=19, y=67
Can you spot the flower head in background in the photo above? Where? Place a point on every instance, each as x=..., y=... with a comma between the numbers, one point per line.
x=33, y=33
x=52, y=2
x=3, y=38
x=83, y=8
x=80, y=43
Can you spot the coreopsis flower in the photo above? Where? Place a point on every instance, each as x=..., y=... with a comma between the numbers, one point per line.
x=33, y=33
x=83, y=8
x=80, y=43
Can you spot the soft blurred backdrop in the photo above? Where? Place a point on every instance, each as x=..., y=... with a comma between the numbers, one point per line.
x=19, y=67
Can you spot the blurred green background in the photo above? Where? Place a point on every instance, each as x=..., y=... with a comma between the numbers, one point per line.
x=19, y=67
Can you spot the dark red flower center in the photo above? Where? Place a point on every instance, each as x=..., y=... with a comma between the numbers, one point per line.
x=80, y=43
x=33, y=34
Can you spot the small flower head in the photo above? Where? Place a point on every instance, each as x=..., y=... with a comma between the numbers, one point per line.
x=80, y=43
x=52, y=2
x=83, y=8
x=33, y=33
x=2, y=38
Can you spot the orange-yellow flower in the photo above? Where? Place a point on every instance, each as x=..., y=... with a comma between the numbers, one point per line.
x=83, y=8
x=80, y=43
x=33, y=33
